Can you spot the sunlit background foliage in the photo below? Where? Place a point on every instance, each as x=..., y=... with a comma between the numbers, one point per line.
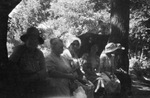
x=76, y=17
x=58, y=18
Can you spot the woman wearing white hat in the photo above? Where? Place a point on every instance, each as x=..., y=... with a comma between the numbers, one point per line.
x=108, y=67
x=107, y=57
x=110, y=64
x=72, y=45
x=70, y=53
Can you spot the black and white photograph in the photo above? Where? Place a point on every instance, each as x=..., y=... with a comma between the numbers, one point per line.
x=75, y=49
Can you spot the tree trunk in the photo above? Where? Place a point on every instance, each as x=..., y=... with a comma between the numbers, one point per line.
x=120, y=28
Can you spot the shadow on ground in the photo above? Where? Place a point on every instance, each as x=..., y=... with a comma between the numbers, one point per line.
x=140, y=88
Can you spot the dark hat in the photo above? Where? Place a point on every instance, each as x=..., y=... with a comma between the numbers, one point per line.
x=111, y=47
x=32, y=31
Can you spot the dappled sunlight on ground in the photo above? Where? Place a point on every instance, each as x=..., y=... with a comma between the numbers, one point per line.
x=140, y=89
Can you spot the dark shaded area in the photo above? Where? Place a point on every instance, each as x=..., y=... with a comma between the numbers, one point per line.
x=6, y=6
x=140, y=88
x=87, y=41
x=90, y=39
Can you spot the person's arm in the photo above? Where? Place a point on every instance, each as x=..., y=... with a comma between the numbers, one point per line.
x=66, y=54
x=42, y=73
x=98, y=65
x=52, y=72
x=57, y=74
x=112, y=64
x=102, y=63
x=73, y=61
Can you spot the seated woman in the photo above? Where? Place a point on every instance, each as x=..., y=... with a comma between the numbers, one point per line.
x=29, y=60
x=70, y=53
x=108, y=67
x=59, y=70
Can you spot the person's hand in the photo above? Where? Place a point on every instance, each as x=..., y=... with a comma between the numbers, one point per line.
x=98, y=74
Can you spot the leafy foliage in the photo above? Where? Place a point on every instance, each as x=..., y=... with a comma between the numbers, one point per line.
x=75, y=17
x=139, y=30
x=58, y=18
x=66, y=17
x=27, y=13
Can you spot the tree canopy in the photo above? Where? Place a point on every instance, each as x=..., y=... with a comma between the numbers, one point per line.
x=77, y=17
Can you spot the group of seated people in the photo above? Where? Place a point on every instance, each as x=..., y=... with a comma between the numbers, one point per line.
x=62, y=72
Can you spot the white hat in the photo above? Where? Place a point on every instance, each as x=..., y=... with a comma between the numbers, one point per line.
x=71, y=39
x=111, y=47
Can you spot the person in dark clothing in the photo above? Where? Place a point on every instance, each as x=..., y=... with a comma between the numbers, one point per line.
x=28, y=64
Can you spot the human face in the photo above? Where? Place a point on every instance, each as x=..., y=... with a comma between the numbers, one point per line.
x=75, y=45
x=32, y=42
x=58, y=47
x=110, y=54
